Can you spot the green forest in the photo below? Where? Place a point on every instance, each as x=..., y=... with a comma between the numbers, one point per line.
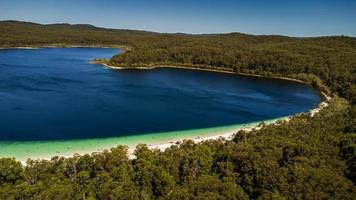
x=305, y=158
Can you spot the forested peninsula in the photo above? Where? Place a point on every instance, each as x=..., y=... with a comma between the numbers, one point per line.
x=304, y=158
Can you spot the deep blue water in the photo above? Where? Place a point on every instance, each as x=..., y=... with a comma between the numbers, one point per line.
x=55, y=93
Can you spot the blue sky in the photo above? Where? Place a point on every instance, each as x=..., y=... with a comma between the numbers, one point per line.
x=283, y=17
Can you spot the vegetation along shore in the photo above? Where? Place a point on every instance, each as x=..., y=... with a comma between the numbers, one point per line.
x=308, y=157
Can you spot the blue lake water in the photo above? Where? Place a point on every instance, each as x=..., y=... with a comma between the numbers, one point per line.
x=55, y=94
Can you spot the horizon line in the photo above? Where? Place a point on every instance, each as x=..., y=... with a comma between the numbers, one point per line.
x=182, y=33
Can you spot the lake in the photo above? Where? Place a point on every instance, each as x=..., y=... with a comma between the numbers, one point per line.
x=56, y=94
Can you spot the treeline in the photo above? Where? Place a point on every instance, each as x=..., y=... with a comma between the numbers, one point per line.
x=302, y=159
x=330, y=59
x=334, y=66
x=15, y=34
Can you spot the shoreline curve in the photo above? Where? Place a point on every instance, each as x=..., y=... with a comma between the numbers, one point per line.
x=22, y=150
x=47, y=149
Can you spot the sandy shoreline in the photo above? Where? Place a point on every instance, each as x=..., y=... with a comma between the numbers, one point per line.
x=48, y=149
x=19, y=48
x=192, y=68
x=225, y=135
x=119, y=47
x=162, y=144
x=230, y=134
x=126, y=48
x=160, y=141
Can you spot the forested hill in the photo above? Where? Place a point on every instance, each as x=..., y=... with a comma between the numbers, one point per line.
x=331, y=59
x=305, y=158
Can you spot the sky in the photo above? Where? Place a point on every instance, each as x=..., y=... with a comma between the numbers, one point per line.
x=301, y=18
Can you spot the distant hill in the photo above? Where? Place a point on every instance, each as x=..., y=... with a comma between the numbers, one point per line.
x=16, y=33
x=331, y=58
x=304, y=158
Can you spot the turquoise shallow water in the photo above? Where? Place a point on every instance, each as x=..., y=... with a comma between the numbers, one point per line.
x=54, y=102
x=47, y=149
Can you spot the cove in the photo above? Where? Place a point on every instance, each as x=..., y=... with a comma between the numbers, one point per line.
x=52, y=100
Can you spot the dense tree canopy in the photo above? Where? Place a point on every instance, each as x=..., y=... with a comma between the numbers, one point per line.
x=301, y=159
x=305, y=158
